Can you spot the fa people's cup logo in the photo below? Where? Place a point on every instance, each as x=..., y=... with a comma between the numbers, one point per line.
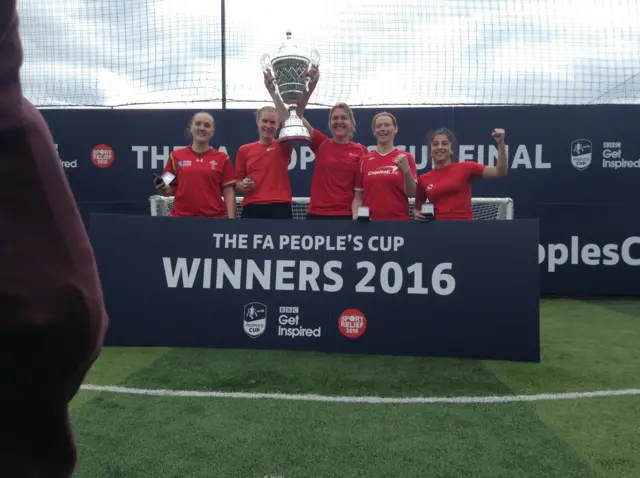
x=581, y=154
x=255, y=319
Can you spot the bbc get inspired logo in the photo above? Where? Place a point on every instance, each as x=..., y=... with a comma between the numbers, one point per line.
x=613, y=158
x=102, y=156
x=611, y=154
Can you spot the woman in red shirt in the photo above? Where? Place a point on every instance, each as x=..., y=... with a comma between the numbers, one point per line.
x=448, y=184
x=203, y=175
x=262, y=171
x=337, y=159
x=387, y=176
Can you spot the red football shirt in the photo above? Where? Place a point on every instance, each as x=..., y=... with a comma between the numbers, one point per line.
x=334, y=175
x=268, y=165
x=449, y=189
x=200, y=178
x=382, y=183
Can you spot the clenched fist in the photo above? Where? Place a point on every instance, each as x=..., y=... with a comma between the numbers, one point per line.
x=402, y=162
x=498, y=135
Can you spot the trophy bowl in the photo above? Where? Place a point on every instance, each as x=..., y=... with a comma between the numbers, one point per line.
x=290, y=67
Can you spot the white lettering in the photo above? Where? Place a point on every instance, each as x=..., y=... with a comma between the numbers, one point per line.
x=618, y=164
x=333, y=275
x=309, y=273
x=363, y=285
x=308, y=243
x=180, y=273
x=282, y=274
x=465, y=153
x=590, y=254
x=388, y=285
x=607, y=153
x=223, y=270
x=140, y=150
x=294, y=160
x=263, y=277
x=626, y=251
x=385, y=243
x=231, y=241
x=158, y=160
x=69, y=164
x=288, y=274
x=306, y=156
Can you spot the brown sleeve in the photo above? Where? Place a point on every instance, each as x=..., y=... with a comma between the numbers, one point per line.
x=52, y=315
x=10, y=62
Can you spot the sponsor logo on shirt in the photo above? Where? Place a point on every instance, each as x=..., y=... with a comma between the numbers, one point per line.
x=184, y=163
x=255, y=319
x=384, y=170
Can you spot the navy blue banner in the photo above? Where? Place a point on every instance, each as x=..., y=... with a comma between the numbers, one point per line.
x=457, y=289
x=575, y=172
x=556, y=154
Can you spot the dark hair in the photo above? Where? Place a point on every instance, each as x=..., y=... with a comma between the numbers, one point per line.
x=188, y=130
x=450, y=136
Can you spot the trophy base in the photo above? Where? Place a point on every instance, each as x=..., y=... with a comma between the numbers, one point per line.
x=293, y=132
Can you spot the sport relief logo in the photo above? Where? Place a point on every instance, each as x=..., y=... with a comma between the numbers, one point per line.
x=581, y=154
x=102, y=156
x=352, y=323
x=255, y=319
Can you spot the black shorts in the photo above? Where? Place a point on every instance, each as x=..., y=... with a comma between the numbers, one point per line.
x=276, y=210
x=328, y=218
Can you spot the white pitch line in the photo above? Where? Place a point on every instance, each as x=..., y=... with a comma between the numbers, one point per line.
x=365, y=399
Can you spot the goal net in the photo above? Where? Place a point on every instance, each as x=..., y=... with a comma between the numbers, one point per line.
x=483, y=208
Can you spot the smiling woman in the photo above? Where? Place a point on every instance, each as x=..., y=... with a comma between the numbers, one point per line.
x=387, y=177
x=199, y=175
x=262, y=171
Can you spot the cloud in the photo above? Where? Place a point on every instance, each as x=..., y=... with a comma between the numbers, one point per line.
x=119, y=52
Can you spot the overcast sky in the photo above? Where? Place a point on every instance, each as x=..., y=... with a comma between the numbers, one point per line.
x=420, y=52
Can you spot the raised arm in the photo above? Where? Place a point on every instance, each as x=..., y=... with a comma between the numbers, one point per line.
x=10, y=62
x=281, y=108
x=314, y=75
x=501, y=169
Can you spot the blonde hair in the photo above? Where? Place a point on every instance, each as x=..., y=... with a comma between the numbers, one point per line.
x=266, y=108
x=347, y=108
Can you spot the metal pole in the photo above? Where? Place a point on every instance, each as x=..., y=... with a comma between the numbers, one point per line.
x=223, y=52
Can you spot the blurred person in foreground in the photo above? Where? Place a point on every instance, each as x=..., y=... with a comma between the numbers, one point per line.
x=52, y=316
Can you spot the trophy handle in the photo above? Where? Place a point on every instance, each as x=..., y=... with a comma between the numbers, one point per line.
x=315, y=61
x=315, y=57
x=265, y=61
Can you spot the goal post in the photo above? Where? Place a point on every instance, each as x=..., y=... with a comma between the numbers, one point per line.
x=483, y=208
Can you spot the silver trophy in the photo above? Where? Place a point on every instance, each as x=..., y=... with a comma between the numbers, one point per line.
x=290, y=68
